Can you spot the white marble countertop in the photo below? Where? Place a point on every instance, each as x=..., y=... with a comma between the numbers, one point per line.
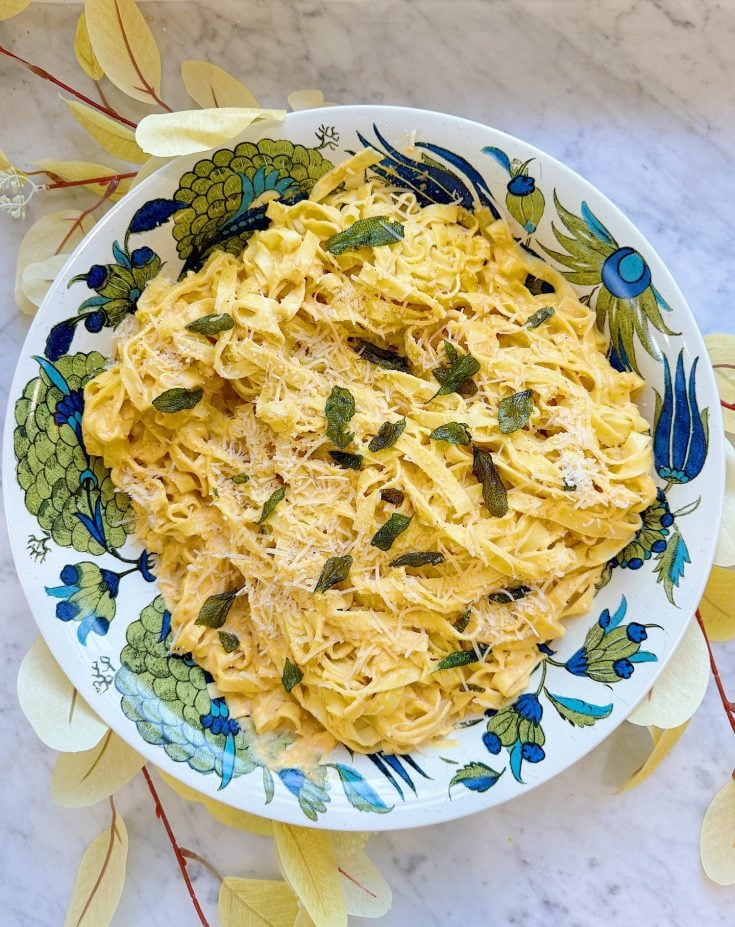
x=638, y=96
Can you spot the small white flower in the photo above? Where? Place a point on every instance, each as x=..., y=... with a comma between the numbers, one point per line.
x=16, y=191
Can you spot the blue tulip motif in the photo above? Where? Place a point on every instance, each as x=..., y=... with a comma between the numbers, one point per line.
x=218, y=721
x=523, y=198
x=518, y=729
x=680, y=430
x=87, y=596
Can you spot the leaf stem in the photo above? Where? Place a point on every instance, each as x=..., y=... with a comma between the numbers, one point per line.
x=41, y=72
x=190, y=854
x=62, y=184
x=105, y=863
x=180, y=858
x=111, y=187
x=146, y=86
x=726, y=703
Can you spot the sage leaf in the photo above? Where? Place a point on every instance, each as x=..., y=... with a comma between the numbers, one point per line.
x=211, y=324
x=177, y=399
x=388, y=434
x=381, y=357
x=240, y=479
x=418, y=558
x=509, y=595
x=339, y=409
x=291, y=676
x=452, y=433
x=375, y=231
x=460, y=625
x=536, y=286
x=539, y=317
x=393, y=496
x=213, y=613
x=462, y=657
x=456, y=376
x=493, y=491
x=514, y=411
x=385, y=535
x=229, y=641
x=334, y=571
x=270, y=504
x=346, y=460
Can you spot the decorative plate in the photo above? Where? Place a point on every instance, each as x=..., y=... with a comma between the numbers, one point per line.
x=92, y=589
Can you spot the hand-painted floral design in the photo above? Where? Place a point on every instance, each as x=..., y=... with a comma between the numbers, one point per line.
x=523, y=199
x=87, y=596
x=680, y=430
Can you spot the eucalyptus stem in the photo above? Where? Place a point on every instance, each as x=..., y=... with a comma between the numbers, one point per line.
x=63, y=184
x=726, y=703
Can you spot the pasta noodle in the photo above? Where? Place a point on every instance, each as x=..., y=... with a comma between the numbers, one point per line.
x=359, y=660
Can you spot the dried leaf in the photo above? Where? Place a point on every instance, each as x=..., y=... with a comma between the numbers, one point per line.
x=514, y=411
x=717, y=608
x=456, y=375
x=393, y=496
x=212, y=324
x=725, y=553
x=291, y=675
x=240, y=820
x=308, y=864
x=679, y=690
x=213, y=613
x=539, y=317
x=229, y=641
x=388, y=532
x=307, y=99
x=366, y=892
x=462, y=657
x=211, y=86
x=338, y=411
x=125, y=47
x=190, y=131
x=81, y=779
x=54, y=708
x=494, y=493
x=721, y=349
x=80, y=170
x=663, y=743
x=177, y=399
x=452, y=433
x=118, y=139
x=418, y=558
x=85, y=53
x=365, y=233
x=717, y=844
x=346, y=460
x=100, y=878
x=506, y=596
x=38, y=277
x=381, y=357
x=51, y=234
x=257, y=903
x=388, y=434
x=5, y=163
x=270, y=504
x=334, y=571
x=10, y=8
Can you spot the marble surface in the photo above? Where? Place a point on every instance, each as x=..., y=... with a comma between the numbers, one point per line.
x=638, y=96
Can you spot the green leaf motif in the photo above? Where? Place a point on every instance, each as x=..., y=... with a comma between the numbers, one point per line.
x=539, y=317
x=509, y=595
x=671, y=562
x=462, y=657
x=385, y=535
x=452, y=433
x=392, y=496
x=346, y=460
x=213, y=613
x=515, y=411
x=212, y=324
x=339, y=409
x=334, y=571
x=178, y=399
x=577, y=712
x=456, y=376
x=372, y=232
x=388, y=434
x=418, y=558
x=381, y=357
x=493, y=491
x=270, y=504
x=229, y=641
x=478, y=777
x=292, y=675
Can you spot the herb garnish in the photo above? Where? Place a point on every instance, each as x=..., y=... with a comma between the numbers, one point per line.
x=418, y=558
x=387, y=533
x=509, y=595
x=568, y=486
x=460, y=625
x=514, y=411
x=452, y=433
x=536, y=285
x=346, y=460
x=229, y=641
x=539, y=316
x=339, y=409
x=270, y=504
x=374, y=231
x=388, y=434
x=240, y=479
x=178, y=399
x=212, y=324
x=291, y=675
x=456, y=376
x=392, y=496
x=493, y=491
x=462, y=657
x=334, y=571
x=213, y=613
x=381, y=357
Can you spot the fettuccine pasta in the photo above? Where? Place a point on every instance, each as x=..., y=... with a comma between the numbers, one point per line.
x=263, y=494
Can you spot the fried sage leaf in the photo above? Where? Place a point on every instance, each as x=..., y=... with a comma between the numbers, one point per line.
x=213, y=613
x=229, y=641
x=178, y=399
x=240, y=479
x=270, y=504
x=393, y=496
x=387, y=533
x=334, y=571
x=493, y=491
x=339, y=409
x=462, y=657
x=211, y=324
x=388, y=434
x=381, y=357
x=509, y=595
x=418, y=558
x=452, y=433
x=460, y=624
x=377, y=230
x=514, y=411
x=346, y=460
x=456, y=376
x=291, y=676
x=539, y=317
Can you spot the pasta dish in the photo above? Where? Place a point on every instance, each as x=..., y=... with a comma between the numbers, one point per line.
x=378, y=460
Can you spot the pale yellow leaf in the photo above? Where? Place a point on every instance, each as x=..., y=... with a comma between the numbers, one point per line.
x=118, y=139
x=54, y=708
x=679, y=690
x=303, y=919
x=81, y=779
x=38, y=277
x=308, y=864
x=5, y=164
x=307, y=99
x=240, y=820
x=718, y=605
x=125, y=47
x=663, y=743
x=83, y=170
x=725, y=553
x=83, y=50
x=717, y=842
x=53, y=233
x=256, y=903
x=146, y=169
x=366, y=892
x=211, y=86
x=100, y=878
x=721, y=349
x=170, y=134
x=10, y=8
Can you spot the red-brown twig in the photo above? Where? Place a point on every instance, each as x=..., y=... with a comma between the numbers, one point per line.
x=726, y=703
x=42, y=72
x=111, y=187
x=62, y=184
x=180, y=858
